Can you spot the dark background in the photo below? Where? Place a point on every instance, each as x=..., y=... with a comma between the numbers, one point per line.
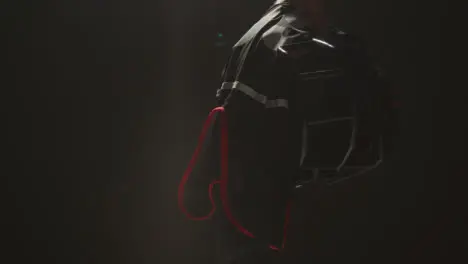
x=109, y=98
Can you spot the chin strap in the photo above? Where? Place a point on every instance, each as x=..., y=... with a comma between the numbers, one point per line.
x=222, y=182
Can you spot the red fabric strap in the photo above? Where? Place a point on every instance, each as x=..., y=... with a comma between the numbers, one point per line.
x=222, y=182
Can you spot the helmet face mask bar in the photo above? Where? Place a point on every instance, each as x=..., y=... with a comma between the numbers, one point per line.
x=342, y=135
x=349, y=160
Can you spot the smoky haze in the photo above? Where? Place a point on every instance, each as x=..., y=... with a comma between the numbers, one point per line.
x=110, y=98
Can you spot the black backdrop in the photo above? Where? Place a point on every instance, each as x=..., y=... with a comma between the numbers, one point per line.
x=110, y=99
